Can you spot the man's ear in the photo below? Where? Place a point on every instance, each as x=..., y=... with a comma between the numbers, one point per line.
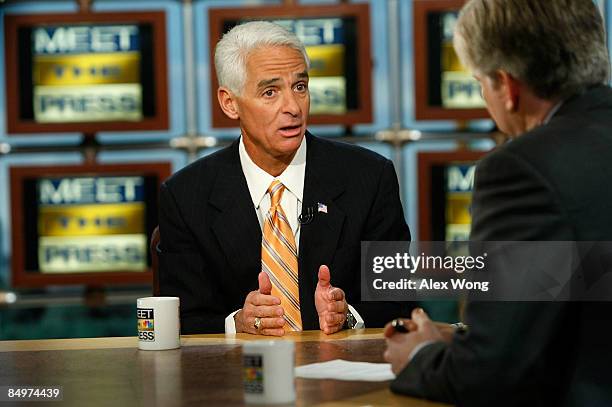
x=227, y=101
x=511, y=90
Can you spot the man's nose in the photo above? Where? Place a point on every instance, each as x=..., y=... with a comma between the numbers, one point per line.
x=291, y=105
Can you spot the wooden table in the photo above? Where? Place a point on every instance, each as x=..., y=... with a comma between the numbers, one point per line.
x=205, y=371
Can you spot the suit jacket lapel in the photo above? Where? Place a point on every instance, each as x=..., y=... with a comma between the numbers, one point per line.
x=236, y=225
x=319, y=238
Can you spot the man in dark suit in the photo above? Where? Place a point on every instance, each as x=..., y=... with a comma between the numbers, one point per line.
x=236, y=226
x=542, y=67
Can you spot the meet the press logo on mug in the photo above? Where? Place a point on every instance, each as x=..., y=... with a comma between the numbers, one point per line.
x=253, y=374
x=146, y=324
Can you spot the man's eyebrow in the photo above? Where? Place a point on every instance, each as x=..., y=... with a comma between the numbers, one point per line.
x=267, y=82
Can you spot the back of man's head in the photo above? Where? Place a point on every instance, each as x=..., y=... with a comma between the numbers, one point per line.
x=556, y=47
x=233, y=49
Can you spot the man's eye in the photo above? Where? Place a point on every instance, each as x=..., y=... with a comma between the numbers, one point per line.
x=269, y=93
x=301, y=87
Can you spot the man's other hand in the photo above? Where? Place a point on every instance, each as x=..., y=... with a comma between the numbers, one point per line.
x=401, y=345
x=330, y=303
x=261, y=304
x=446, y=330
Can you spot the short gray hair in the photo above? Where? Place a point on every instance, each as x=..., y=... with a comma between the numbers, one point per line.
x=556, y=47
x=233, y=49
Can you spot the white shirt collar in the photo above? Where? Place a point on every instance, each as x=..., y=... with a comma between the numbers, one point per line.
x=552, y=112
x=258, y=180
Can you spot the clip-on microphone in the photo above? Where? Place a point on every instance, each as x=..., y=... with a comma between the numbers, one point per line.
x=306, y=217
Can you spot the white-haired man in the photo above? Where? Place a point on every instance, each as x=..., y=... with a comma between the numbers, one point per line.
x=544, y=68
x=253, y=235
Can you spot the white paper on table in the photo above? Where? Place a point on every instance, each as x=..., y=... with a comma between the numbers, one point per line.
x=344, y=370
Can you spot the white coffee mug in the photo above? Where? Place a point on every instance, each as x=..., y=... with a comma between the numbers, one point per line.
x=158, y=323
x=268, y=371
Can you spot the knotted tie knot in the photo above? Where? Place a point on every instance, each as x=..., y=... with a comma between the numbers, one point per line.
x=275, y=190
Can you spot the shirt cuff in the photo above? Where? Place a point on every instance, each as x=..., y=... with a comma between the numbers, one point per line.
x=418, y=348
x=360, y=324
x=230, y=324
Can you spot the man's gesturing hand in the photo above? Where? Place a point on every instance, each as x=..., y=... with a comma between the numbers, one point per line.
x=261, y=304
x=330, y=303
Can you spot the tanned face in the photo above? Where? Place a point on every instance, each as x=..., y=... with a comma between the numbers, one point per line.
x=273, y=105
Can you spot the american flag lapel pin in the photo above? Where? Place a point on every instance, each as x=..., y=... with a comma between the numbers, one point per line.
x=321, y=207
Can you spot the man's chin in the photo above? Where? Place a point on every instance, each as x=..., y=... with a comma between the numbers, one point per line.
x=287, y=146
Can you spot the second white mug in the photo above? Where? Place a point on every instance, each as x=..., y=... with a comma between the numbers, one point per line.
x=268, y=371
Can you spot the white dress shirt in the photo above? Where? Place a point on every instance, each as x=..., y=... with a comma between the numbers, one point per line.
x=258, y=182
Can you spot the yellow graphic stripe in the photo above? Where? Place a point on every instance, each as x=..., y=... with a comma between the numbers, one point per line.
x=450, y=60
x=458, y=208
x=87, y=69
x=89, y=220
x=326, y=60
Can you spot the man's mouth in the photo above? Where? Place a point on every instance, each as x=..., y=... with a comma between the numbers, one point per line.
x=291, y=131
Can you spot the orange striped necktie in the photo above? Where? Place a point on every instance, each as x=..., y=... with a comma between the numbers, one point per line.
x=279, y=258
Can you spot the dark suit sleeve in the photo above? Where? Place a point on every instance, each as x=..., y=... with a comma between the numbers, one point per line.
x=507, y=343
x=385, y=222
x=182, y=272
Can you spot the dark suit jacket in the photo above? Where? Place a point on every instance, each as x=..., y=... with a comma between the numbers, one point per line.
x=211, y=238
x=552, y=183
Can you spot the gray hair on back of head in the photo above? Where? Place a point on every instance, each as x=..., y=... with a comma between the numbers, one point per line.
x=233, y=49
x=556, y=47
